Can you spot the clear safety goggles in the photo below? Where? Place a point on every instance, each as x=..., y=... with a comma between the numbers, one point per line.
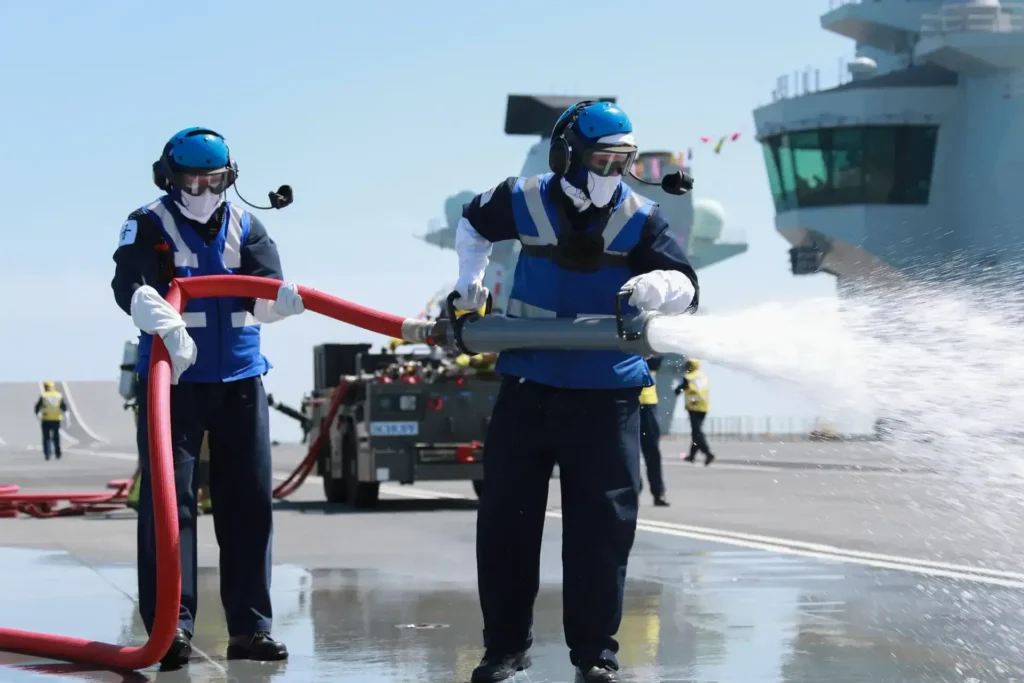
x=609, y=161
x=196, y=184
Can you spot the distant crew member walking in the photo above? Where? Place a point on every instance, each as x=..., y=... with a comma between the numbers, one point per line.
x=650, y=437
x=50, y=408
x=695, y=390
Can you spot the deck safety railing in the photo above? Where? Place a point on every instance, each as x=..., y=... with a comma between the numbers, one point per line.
x=1005, y=18
x=766, y=428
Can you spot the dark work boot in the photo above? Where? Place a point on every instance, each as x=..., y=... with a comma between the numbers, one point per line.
x=708, y=459
x=601, y=672
x=660, y=501
x=260, y=648
x=494, y=667
x=178, y=653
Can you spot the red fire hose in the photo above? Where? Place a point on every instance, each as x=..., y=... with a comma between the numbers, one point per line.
x=168, y=577
x=296, y=478
x=41, y=505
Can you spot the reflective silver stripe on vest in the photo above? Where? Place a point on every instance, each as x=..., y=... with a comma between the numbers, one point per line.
x=546, y=232
x=238, y=319
x=618, y=220
x=535, y=205
x=243, y=319
x=233, y=241
x=183, y=256
x=521, y=309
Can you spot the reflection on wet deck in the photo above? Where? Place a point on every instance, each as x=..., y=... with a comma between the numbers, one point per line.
x=695, y=612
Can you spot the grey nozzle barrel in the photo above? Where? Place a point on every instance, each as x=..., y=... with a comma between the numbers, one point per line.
x=495, y=333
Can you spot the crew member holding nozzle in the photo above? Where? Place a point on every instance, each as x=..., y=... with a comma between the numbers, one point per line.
x=216, y=378
x=585, y=235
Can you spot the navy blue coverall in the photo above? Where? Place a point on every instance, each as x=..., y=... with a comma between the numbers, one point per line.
x=235, y=413
x=594, y=437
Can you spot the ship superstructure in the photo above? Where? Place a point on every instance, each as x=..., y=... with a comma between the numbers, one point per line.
x=915, y=160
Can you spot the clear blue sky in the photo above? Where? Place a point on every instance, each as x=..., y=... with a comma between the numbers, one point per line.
x=374, y=113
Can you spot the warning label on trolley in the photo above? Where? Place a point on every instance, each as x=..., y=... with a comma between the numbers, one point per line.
x=394, y=428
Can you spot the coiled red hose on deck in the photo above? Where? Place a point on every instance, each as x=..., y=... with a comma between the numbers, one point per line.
x=43, y=505
x=168, y=579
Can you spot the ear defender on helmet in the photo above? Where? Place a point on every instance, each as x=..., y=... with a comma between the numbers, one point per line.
x=158, y=178
x=559, y=156
x=560, y=151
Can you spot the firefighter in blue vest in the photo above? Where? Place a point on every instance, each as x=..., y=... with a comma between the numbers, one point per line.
x=585, y=235
x=217, y=386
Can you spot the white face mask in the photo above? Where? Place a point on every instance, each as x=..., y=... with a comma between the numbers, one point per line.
x=602, y=188
x=200, y=208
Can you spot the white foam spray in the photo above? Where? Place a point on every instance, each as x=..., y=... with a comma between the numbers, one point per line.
x=942, y=364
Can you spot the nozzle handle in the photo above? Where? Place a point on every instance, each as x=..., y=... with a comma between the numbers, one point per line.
x=621, y=299
x=459, y=321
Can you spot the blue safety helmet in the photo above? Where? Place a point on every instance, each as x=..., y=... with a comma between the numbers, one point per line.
x=195, y=160
x=575, y=140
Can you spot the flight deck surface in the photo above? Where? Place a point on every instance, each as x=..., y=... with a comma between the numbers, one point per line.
x=779, y=563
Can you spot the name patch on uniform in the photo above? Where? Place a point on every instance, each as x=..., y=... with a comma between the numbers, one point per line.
x=129, y=231
x=394, y=428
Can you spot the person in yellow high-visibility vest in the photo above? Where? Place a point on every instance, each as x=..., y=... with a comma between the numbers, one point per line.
x=51, y=408
x=695, y=390
x=481, y=362
x=650, y=438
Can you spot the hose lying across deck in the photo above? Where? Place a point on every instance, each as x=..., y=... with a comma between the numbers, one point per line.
x=43, y=505
x=162, y=472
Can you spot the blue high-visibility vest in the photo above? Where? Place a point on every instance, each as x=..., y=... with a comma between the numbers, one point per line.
x=226, y=335
x=543, y=289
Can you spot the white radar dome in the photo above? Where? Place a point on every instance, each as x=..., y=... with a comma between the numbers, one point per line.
x=708, y=220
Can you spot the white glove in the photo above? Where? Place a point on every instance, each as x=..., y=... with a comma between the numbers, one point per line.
x=474, y=254
x=288, y=300
x=153, y=315
x=181, y=349
x=472, y=295
x=288, y=303
x=664, y=291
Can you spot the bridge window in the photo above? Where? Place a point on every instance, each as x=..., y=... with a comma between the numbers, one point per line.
x=846, y=163
x=851, y=165
x=812, y=186
x=771, y=162
x=785, y=155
